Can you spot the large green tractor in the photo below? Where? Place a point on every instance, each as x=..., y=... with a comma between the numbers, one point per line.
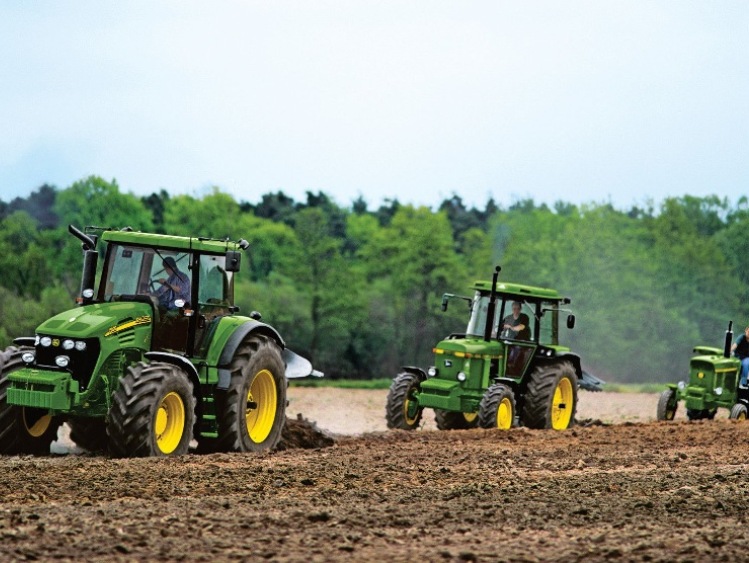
x=713, y=383
x=492, y=376
x=154, y=359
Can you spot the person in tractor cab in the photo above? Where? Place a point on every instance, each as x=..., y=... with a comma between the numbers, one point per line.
x=740, y=349
x=176, y=286
x=516, y=325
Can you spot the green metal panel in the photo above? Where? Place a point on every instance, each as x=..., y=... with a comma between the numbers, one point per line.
x=169, y=241
x=519, y=290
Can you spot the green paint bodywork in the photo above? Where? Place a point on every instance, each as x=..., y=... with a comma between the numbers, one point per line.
x=484, y=362
x=713, y=381
x=119, y=334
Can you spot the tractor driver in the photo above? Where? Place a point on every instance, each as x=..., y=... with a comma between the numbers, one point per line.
x=176, y=286
x=740, y=349
x=515, y=326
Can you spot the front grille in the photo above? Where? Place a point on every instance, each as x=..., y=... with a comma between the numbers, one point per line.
x=81, y=365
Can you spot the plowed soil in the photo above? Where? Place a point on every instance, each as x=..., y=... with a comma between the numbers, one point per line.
x=625, y=488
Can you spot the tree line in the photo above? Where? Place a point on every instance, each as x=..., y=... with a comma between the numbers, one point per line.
x=357, y=290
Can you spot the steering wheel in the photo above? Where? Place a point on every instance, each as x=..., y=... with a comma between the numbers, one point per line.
x=153, y=284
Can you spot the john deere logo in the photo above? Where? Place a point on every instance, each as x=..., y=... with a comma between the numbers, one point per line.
x=126, y=325
x=55, y=342
x=700, y=375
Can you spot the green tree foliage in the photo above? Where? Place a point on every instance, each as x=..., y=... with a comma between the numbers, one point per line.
x=358, y=290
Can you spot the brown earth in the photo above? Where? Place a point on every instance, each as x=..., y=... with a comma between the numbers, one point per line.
x=633, y=491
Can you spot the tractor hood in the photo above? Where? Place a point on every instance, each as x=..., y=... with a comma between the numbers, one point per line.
x=97, y=319
x=468, y=347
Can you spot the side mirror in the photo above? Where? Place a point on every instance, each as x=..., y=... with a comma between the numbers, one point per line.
x=445, y=299
x=570, y=321
x=233, y=260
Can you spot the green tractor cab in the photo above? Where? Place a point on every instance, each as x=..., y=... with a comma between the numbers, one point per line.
x=154, y=357
x=713, y=383
x=491, y=375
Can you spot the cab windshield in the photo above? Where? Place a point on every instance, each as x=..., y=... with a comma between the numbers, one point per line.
x=134, y=270
x=479, y=310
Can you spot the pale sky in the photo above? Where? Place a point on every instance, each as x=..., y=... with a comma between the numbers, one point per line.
x=580, y=101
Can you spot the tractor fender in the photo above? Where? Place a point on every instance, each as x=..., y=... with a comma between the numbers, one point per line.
x=233, y=342
x=178, y=361
x=420, y=373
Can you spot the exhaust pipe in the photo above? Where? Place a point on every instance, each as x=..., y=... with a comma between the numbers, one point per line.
x=728, y=341
x=90, y=260
x=492, y=306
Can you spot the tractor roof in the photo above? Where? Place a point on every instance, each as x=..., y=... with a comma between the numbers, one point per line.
x=520, y=291
x=169, y=241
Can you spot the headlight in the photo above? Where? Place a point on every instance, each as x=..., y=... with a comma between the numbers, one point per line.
x=68, y=344
x=62, y=361
x=80, y=345
x=87, y=293
x=432, y=371
x=461, y=376
x=46, y=341
x=718, y=390
x=681, y=385
x=27, y=357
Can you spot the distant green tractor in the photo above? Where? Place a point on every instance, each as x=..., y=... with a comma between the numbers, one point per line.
x=155, y=358
x=494, y=377
x=713, y=383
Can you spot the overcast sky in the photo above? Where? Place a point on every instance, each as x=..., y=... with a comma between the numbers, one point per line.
x=580, y=101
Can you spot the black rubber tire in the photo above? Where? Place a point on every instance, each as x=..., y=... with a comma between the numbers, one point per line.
x=490, y=404
x=739, y=412
x=667, y=405
x=257, y=360
x=396, y=409
x=17, y=423
x=89, y=434
x=143, y=391
x=538, y=402
x=450, y=420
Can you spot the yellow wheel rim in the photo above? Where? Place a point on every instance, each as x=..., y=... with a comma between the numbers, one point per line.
x=170, y=423
x=504, y=414
x=470, y=417
x=561, y=406
x=36, y=424
x=742, y=416
x=262, y=404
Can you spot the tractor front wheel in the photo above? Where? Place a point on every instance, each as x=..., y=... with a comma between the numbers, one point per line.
x=23, y=430
x=667, y=404
x=739, y=412
x=551, y=397
x=449, y=420
x=251, y=413
x=402, y=411
x=152, y=412
x=497, y=408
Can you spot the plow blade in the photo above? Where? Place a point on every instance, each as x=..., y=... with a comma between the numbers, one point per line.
x=590, y=382
x=297, y=367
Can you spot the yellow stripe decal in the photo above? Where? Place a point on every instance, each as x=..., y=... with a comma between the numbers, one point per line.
x=725, y=370
x=130, y=324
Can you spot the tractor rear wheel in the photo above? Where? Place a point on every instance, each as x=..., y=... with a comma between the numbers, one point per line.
x=23, y=430
x=88, y=433
x=739, y=412
x=402, y=410
x=551, y=397
x=497, y=408
x=450, y=420
x=152, y=412
x=667, y=405
x=251, y=413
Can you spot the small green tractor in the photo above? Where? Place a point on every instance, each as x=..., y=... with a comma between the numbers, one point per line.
x=138, y=371
x=494, y=377
x=713, y=383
